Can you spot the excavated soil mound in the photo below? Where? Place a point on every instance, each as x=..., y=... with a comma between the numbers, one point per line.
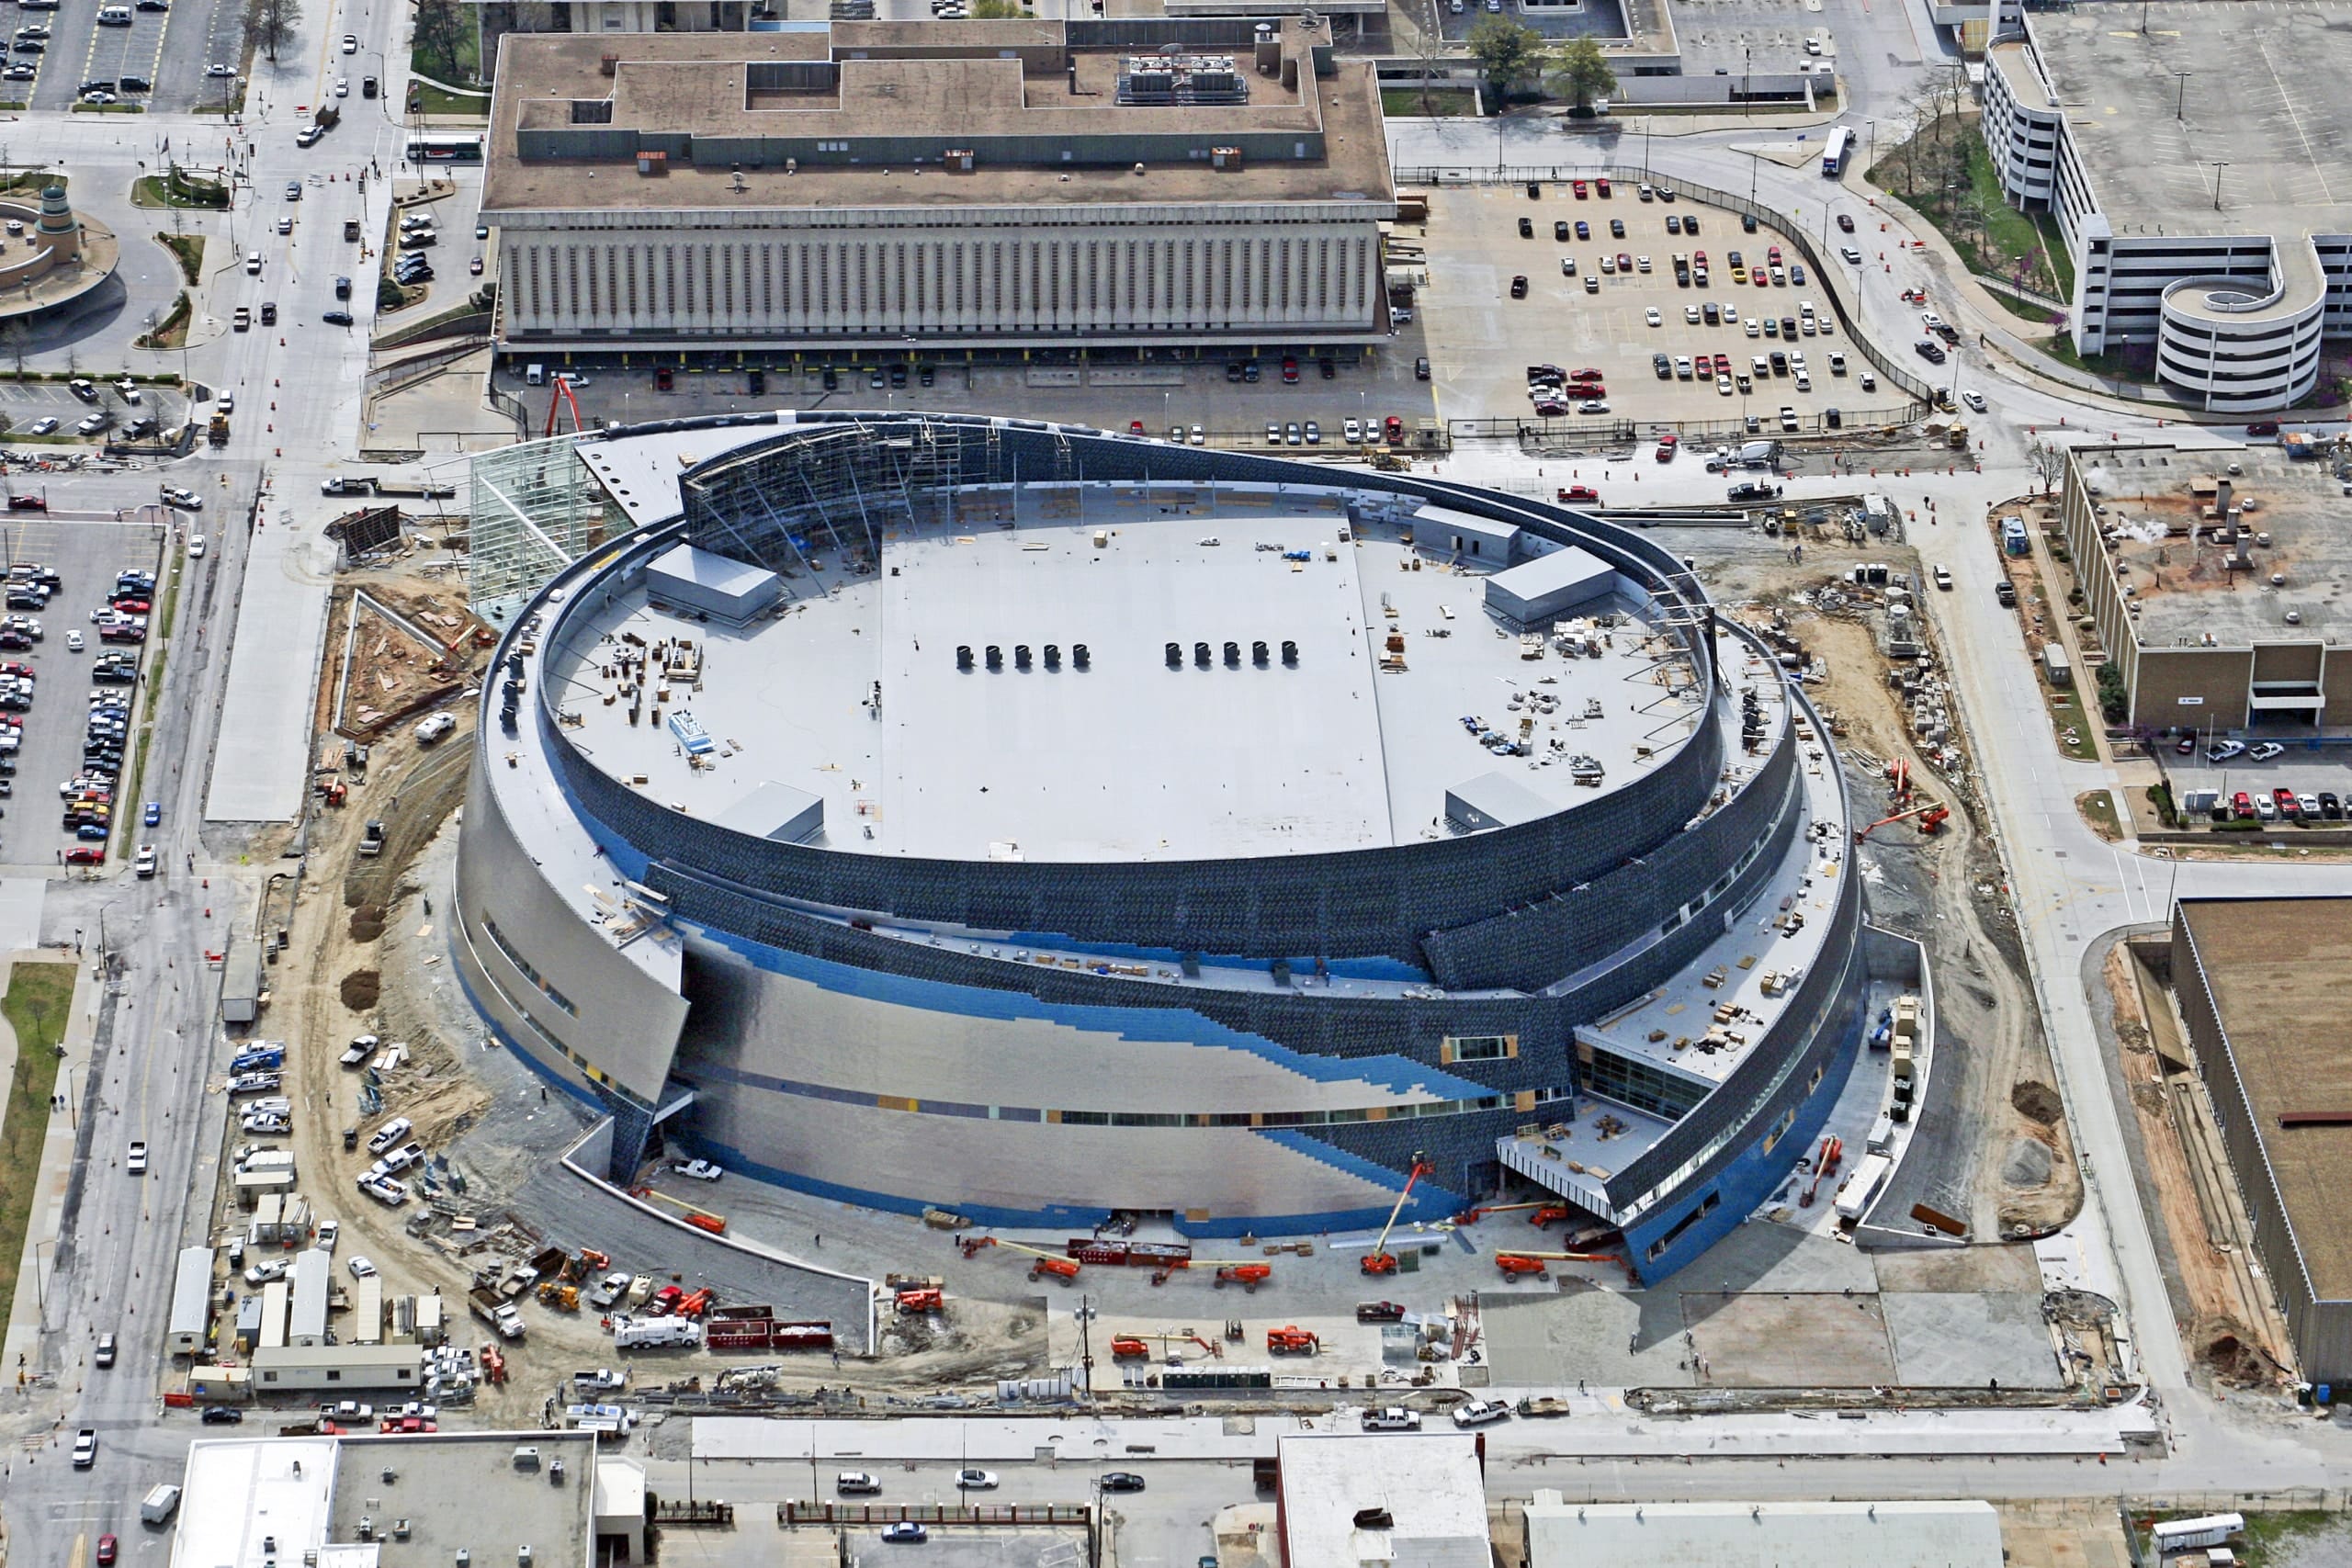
x=368, y=922
x=359, y=989
x=2037, y=1102
x=2028, y=1163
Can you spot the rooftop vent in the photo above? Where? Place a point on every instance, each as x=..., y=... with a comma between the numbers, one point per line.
x=1176, y=78
x=650, y=163
x=1374, y=1519
x=608, y=64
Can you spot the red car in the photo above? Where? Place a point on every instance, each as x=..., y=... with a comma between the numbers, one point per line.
x=1667, y=446
x=1135, y=427
x=1698, y=258
x=1845, y=222
x=665, y=1301
x=1290, y=371
x=1586, y=374
x=1601, y=185
x=1773, y=254
x=105, y=1552
x=1578, y=186
x=1550, y=408
x=1395, y=431
x=1723, y=364
x=2242, y=804
x=83, y=854
x=129, y=607
x=30, y=504
x=1579, y=493
x=2284, y=799
x=2263, y=427
x=1760, y=278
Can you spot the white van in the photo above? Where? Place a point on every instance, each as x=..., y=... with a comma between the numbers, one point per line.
x=535, y=374
x=113, y=16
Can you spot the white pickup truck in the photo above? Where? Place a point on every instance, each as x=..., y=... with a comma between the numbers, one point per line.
x=1396, y=1418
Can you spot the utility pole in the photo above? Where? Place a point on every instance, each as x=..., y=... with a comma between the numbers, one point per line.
x=2218, y=167
x=1086, y=1343
x=2180, y=99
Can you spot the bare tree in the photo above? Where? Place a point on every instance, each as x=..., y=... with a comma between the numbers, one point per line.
x=2049, y=461
x=270, y=24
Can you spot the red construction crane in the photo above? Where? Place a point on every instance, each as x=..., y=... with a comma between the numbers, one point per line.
x=1378, y=1260
x=560, y=392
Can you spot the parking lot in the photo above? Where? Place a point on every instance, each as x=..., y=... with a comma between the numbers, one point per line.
x=1589, y=18
x=2258, y=772
x=1728, y=36
x=1615, y=320
x=86, y=556
x=1162, y=393
x=167, y=46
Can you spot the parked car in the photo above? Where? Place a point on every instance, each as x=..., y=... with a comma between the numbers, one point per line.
x=976, y=1481
x=905, y=1533
x=699, y=1169
x=2265, y=751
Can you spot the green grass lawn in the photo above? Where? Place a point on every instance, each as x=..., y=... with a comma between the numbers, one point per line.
x=2119, y=366
x=39, y=996
x=2007, y=234
x=429, y=100
x=189, y=250
x=1408, y=101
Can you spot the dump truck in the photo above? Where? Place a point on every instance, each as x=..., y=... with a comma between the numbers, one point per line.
x=496, y=1311
x=217, y=431
x=371, y=842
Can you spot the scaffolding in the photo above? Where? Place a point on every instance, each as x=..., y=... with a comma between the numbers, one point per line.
x=534, y=510
x=835, y=488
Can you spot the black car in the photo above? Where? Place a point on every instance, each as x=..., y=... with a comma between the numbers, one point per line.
x=1121, y=1481
x=1527, y=228
x=1559, y=229
x=2329, y=806
x=222, y=1415
x=1754, y=492
x=343, y=288
x=336, y=318
x=1330, y=370
x=1617, y=228
x=1663, y=366
x=1233, y=371
x=1747, y=223
x=134, y=83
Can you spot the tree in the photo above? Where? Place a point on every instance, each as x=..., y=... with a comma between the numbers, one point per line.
x=1580, y=70
x=270, y=24
x=440, y=32
x=2049, y=462
x=1507, y=54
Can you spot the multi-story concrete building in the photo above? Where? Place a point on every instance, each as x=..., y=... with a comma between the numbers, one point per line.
x=2190, y=159
x=942, y=184
x=1040, y=824
x=2213, y=592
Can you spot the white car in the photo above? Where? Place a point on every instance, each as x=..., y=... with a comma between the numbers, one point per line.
x=137, y=1163
x=700, y=1170
x=196, y=545
x=218, y=71
x=262, y=1273
x=1975, y=401
x=1653, y=318
x=351, y=43
x=330, y=1231
x=185, y=500
x=976, y=1481
x=74, y=643
x=2264, y=752
x=43, y=425
x=1691, y=315
x=1593, y=405
x=361, y=1269
x=2225, y=750
x=1852, y=255
x=343, y=86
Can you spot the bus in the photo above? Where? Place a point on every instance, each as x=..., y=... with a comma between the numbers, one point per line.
x=1833, y=160
x=445, y=148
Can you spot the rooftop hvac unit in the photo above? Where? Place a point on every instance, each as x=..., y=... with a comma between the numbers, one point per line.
x=1224, y=157
x=608, y=64
x=650, y=163
x=958, y=159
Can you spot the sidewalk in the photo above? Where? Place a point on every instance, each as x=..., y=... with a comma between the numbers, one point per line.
x=22, y=1347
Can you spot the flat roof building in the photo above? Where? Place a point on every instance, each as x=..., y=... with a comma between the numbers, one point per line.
x=940, y=183
x=2257, y=980
x=2190, y=160
x=1932, y=1534
x=1190, y=834
x=423, y=1501
x=1351, y=1502
x=2214, y=594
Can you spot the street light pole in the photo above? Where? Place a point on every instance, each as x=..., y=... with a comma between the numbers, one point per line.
x=2218, y=167
x=2180, y=99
